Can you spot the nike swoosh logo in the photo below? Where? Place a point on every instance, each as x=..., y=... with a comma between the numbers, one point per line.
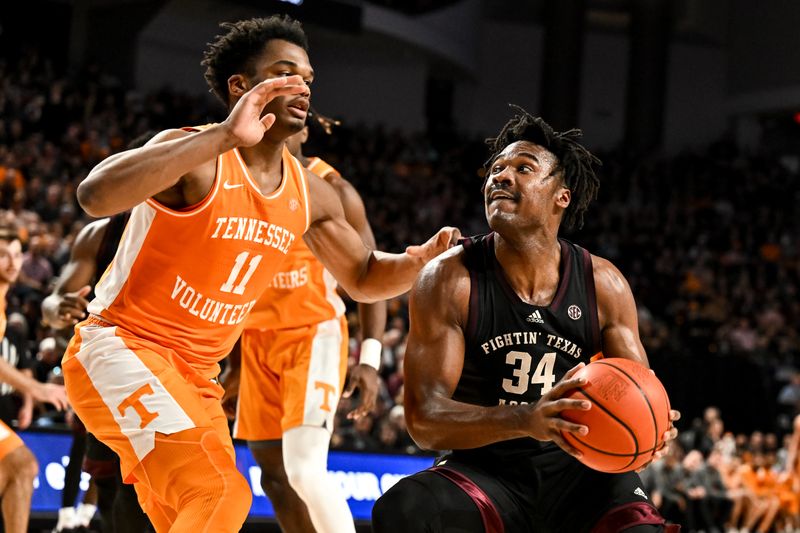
x=228, y=186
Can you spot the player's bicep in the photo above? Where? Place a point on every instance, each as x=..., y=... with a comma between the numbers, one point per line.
x=340, y=249
x=332, y=240
x=619, y=321
x=434, y=355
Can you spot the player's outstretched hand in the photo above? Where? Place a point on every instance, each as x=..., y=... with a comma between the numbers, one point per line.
x=245, y=124
x=365, y=378
x=444, y=239
x=50, y=393
x=546, y=423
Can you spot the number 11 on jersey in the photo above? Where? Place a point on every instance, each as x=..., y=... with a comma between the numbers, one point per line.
x=241, y=259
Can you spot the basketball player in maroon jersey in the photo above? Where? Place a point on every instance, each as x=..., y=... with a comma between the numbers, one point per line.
x=499, y=327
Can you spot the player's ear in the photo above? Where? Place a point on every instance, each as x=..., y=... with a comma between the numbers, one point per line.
x=564, y=197
x=237, y=86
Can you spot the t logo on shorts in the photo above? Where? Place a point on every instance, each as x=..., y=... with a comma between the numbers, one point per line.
x=327, y=390
x=134, y=400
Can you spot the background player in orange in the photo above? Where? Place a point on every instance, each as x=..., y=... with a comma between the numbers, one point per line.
x=18, y=466
x=497, y=328
x=215, y=211
x=294, y=353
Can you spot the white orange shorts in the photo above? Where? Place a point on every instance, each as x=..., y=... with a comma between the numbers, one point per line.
x=127, y=389
x=9, y=441
x=289, y=378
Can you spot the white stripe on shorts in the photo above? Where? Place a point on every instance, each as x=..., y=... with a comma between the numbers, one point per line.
x=116, y=373
x=323, y=367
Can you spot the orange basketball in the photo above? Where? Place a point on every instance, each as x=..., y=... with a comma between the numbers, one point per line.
x=628, y=418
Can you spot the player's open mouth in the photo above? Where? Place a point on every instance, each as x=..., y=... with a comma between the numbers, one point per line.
x=299, y=108
x=500, y=195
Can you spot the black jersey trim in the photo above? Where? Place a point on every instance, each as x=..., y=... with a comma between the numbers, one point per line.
x=471, y=331
x=591, y=297
x=564, y=275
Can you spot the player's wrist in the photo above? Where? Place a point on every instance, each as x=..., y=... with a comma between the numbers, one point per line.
x=371, y=351
x=229, y=140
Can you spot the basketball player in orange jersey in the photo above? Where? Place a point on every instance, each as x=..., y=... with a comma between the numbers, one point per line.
x=497, y=327
x=215, y=211
x=293, y=354
x=18, y=466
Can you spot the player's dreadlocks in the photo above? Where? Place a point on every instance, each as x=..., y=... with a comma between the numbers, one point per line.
x=575, y=162
x=324, y=122
x=235, y=51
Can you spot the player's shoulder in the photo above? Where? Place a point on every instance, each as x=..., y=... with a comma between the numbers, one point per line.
x=443, y=288
x=344, y=189
x=445, y=272
x=608, y=279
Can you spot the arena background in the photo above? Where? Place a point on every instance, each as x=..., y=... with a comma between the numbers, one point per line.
x=694, y=106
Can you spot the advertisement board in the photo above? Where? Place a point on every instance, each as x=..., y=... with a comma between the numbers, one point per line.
x=363, y=477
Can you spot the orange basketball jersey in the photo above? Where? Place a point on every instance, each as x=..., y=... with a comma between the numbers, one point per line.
x=187, y=279
x=303, y=292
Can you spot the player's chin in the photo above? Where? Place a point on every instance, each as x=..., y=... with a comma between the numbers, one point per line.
x=294, y=124
x=499, y=219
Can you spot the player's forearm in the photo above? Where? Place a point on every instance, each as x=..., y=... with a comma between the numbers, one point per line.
x=372, y=318
x=127, y=179
x=19, y=381
x=386, y=276
x=446, y=424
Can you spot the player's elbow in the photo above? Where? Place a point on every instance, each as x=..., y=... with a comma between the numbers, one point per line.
x=422, y=430
x=359, y=291
x=93, y=199
x=363, y=298
x=89, y=198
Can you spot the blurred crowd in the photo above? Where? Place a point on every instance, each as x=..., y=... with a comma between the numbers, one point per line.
x=714, y=481
x=707, y=240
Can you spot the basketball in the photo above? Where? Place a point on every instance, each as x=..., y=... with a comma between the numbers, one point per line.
x=628, y=418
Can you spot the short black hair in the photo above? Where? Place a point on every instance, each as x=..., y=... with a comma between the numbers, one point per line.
x=234, y=51
x=576, y=163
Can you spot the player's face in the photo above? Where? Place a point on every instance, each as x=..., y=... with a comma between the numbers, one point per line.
x=282, y=58
x=10, y=260
x=524, y=188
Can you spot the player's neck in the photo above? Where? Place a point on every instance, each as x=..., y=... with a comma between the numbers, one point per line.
x=264, y=161
x=531, y=265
